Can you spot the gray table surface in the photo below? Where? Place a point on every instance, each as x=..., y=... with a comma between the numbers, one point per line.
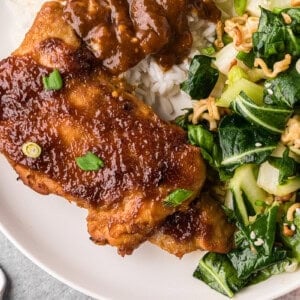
x=26, y=281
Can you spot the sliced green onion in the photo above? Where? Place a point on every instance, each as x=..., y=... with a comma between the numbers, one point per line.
x=53, y=82
x=89, y=162
x=208, y=51
x=260, y=203
x=31, y=150
x=177, y=197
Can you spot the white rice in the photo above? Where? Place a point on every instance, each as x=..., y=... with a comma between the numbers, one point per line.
x=160, y=89
x=157, y=88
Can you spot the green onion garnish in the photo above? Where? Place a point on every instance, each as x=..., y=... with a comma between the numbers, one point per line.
x=53, y=82
x=31, y=150
x=89, y=162
x=177, y=197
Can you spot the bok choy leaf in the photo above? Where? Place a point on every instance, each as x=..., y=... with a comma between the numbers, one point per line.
x=202, y=78
x=275, y=38
x=217, y=271
x=241, y=142
x=271, y=118
x=284, y=90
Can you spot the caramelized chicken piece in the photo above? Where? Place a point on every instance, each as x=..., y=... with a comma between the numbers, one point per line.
x=145, y=158
x=203, y=226
x=121, y=32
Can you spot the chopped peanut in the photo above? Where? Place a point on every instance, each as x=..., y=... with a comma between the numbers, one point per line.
x=287, y=231
x=287, y=18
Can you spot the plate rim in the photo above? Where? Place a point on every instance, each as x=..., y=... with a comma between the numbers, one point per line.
x=42, y=264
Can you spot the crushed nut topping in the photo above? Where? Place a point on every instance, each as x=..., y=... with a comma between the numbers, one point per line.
x=287, y=231
x=287, y=18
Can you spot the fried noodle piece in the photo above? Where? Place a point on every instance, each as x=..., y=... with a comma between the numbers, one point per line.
x=241, y=29
x=206, y=109
x=279, y=66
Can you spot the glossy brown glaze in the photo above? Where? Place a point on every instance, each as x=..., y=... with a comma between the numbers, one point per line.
x=182, y=225
x=203, y=226
x=139, y=151
x=120, y=32
x=206, y=9
x=144, y=157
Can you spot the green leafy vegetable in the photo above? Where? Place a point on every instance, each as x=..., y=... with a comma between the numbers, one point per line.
x=271, y=118
x=284, y=90
x=275, y=269
x=247, y=58
x=246, y=262
x=177, y=197
x=254, y=259
x=205, y=139
x=292, y=242
x=227, y=39
x=202, y=78
x=217, y=271
x=53, y=82
x=89, y=162
x=183, y=120
x=243, y=143
x=255, y=246
x=240, y=6
x=286, y=165
x=275, y=38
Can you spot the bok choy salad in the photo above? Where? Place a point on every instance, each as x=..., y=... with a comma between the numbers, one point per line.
x=246, y=120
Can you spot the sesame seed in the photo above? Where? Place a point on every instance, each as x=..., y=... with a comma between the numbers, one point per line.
x=268, y=84
x=252, y=235
x=293, y=227
x=258, y=144
x=259, y=242
x=270, y=92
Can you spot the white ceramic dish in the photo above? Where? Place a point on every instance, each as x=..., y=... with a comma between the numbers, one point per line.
x=52, y=233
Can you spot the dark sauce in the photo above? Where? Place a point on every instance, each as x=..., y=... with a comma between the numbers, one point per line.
x=120, y=33
x=141, y=153
x=182, y=226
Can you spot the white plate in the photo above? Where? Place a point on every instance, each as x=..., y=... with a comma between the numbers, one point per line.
x=52, y=233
